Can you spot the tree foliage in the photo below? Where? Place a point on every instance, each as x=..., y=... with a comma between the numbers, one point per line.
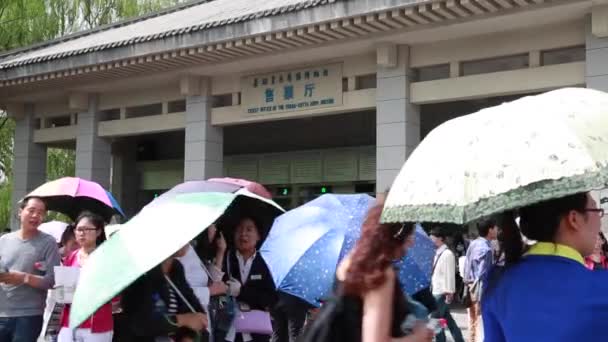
x=27, y=22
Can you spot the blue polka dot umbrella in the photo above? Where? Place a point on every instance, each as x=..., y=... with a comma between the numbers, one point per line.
x=306, y=244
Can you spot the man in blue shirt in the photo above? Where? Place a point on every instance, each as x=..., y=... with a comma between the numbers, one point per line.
x=479, y=260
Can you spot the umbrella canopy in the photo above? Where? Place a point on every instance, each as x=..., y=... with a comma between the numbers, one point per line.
x=144, y=242
x=254, y=187
x=263, y=217
x=214, y=185
x=71, y=196
x=415, y=269
x=526, y=151
x=305, y=244
x=53, y=228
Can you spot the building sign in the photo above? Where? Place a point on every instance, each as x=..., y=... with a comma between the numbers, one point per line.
x=288, y=91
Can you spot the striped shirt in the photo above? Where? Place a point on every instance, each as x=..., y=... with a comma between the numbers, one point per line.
x=172, y=305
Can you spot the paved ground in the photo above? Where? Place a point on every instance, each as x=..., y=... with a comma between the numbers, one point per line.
x=461, y=317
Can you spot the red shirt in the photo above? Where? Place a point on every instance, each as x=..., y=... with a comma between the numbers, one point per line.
x=101, y=321
x=590, y=264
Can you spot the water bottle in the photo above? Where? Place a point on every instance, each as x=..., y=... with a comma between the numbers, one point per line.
x=437, y=325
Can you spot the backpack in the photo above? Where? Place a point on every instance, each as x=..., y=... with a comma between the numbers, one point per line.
x=339, y=320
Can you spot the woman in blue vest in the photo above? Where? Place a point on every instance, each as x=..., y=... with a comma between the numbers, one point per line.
x=547, y=294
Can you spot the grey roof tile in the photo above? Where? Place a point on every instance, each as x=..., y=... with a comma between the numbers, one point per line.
x=189, y=18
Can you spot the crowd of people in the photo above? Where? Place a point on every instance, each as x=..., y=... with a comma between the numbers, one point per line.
x=191, y=296
x=200, y=292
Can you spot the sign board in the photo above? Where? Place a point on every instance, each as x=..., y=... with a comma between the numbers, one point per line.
x=294, y=90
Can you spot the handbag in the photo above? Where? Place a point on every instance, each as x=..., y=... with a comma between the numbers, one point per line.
x=253, y=322
x=222, y=309
x=471, y=292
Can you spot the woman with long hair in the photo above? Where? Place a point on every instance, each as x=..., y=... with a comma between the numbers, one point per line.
x=368, y=280
x=543, y=295
x=160, y=305
x=99, y=327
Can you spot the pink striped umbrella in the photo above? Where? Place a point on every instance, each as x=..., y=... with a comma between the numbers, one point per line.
x=71, y=196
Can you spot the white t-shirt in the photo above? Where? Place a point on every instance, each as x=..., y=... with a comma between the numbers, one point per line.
x=196, y=276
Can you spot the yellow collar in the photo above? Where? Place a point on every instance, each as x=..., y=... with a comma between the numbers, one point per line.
x=549, y=248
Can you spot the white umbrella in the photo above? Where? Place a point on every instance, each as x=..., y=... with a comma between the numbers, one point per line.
x=111, y=229
x=53, y=228
x=500, y=158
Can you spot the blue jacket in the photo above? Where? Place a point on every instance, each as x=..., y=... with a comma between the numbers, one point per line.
x=547, y=296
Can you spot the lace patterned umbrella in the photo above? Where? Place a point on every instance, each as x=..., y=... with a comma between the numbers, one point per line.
x=501, y=158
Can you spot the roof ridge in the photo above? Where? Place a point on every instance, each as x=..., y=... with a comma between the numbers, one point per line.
x=120, y=23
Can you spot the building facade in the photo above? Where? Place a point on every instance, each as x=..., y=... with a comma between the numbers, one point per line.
x=306, y=97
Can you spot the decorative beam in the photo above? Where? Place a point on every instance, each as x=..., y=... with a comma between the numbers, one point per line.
x=440, y=8
x=426, y=11
x=399, y=15
x=337, y=26
x=386, y=18
x=303, y=32
x=488, y=5
x=322, y=36
x=299, y=40
x=413, y=14
x=504, y=3
x=281, y=39
x=374, y=21
x=325, y=28
x=349, y=25
x=472, y=6
x=455, y=7
x=522, y=3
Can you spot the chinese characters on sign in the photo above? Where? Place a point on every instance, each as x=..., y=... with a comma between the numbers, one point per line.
x=308, y=88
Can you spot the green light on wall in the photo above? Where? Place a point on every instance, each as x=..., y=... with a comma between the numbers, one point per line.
x=323, y=190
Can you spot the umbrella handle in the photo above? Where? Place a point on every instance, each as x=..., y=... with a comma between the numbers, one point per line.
x=179, y=293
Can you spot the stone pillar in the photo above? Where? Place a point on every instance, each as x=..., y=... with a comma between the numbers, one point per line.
x=29, y=159
x=125, y=181
x=397, y=119
x=596, y=73
x=204, y=150
x=93, y=154
x=596, y=46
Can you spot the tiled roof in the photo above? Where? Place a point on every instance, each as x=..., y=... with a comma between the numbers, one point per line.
x=196, y=16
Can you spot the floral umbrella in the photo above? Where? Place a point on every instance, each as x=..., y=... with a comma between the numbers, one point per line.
x=500, y=158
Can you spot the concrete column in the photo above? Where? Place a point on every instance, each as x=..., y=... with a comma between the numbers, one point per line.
x=125, y=181
x=93, y=154
x=29, y=159
x=204, y=150
x=397, y=119
x=596, y=75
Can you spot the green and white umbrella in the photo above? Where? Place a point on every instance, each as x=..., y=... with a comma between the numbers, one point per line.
x=530, y=150
x=151, y=237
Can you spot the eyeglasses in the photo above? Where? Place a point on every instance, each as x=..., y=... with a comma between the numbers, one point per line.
x=84, y=230
x=599, y=211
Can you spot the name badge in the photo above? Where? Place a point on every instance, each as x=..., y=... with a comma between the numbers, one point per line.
x=256, y=277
